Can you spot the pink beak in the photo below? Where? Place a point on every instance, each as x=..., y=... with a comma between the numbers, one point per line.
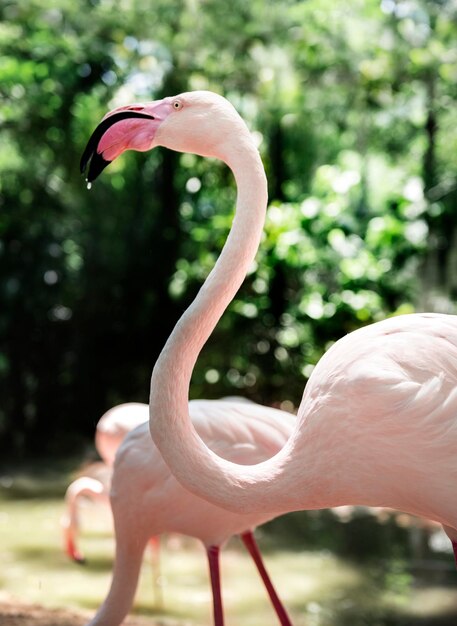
x=132, y=127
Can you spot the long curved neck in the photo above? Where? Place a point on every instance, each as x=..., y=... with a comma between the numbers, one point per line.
x=175, y=364
x=195, y=466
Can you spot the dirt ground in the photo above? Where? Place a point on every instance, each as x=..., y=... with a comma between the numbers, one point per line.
x=12, y=614
x=17, y=614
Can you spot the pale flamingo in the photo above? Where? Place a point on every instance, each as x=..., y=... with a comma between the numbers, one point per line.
x=377, y=424
x=111, y=429
x=147, y=500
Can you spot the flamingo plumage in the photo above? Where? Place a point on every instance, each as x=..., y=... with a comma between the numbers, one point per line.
x=377, y=424
x=147, y=500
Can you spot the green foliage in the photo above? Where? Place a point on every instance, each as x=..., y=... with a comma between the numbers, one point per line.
x=351, y=106
x=323, y=269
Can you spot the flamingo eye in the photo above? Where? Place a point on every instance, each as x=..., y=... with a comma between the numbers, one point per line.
x=177, y=105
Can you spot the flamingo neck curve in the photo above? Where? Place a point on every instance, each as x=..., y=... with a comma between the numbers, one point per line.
x=194, y=465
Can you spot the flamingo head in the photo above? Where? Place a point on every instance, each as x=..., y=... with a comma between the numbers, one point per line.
x=200, y=122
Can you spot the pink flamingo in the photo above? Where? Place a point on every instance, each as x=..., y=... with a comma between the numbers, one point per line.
x=377, y=423
x=110, y=431
x=147, y=500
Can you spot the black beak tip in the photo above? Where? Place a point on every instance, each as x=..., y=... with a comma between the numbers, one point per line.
x=96, y=166
x=90, y=156
x=83, y=165
x=92, y=165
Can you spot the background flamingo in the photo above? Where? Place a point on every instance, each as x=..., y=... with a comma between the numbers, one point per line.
x=109, y=433
x=147, y=500
x=377, y=423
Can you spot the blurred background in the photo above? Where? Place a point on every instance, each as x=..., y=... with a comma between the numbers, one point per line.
x=353, y=106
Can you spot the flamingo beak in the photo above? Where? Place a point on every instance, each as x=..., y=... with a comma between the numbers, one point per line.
x=131, y=127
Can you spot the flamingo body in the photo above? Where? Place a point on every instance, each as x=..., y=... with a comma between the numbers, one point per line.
x=142, y=483
x=147, y=500
x=382, y=404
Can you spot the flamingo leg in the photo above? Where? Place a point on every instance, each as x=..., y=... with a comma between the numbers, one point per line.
x=154, y=549
x=253, y=549
x=214, y=571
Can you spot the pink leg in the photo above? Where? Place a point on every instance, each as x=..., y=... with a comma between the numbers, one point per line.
x=213, y=560
x=154, y=548
x=253, y=549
